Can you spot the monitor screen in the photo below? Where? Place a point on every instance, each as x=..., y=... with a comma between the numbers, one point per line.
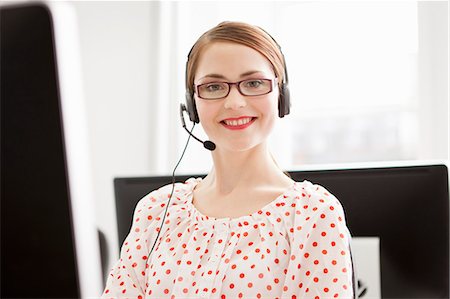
x=40, y=257
x=404, y=211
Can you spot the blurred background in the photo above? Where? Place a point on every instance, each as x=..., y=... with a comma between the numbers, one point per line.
x=368, y=82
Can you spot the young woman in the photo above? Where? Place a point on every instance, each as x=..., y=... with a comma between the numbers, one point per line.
x=246, y=230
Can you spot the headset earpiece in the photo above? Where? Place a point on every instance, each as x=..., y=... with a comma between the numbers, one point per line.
x=284, y=103
x=191, y=107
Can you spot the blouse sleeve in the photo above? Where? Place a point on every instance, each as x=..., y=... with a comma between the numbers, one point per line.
x=320, y=264
x=127, y=277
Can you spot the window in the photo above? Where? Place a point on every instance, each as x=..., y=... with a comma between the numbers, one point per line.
x=356, y=85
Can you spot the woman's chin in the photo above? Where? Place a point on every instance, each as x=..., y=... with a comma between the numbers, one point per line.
x=238, y=147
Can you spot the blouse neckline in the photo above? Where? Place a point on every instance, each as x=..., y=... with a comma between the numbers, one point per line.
x=235, y=221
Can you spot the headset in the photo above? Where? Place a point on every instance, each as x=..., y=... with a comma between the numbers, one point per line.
x=284, y=103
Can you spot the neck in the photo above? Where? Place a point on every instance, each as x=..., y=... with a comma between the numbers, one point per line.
x=234, y=171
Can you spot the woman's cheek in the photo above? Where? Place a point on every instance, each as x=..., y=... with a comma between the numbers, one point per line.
x=206, y=113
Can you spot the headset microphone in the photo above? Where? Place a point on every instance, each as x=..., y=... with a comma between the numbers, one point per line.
x=209, y=145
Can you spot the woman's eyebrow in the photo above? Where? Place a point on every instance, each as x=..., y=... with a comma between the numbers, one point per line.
x=218, y=76
x=249, y=73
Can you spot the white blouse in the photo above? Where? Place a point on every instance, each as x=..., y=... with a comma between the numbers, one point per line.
x=297, y=246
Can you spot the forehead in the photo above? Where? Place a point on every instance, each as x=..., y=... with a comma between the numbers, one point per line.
x=231, y=60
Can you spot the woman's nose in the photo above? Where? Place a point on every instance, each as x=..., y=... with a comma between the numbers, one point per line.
x=235, y=99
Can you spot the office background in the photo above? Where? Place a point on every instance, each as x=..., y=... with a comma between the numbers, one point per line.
x=369, y=82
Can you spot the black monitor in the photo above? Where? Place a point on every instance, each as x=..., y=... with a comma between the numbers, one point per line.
x=49, y=242
x=406, y=208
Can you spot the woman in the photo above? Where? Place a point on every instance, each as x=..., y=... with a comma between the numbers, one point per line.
x=246, y=230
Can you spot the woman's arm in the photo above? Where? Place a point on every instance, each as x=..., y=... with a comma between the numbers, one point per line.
x=320, y=265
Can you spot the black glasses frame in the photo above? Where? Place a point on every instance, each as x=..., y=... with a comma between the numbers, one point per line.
x=272, y=83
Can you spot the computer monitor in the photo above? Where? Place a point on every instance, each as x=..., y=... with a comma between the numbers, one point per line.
x=49, y=241
x=401, y=210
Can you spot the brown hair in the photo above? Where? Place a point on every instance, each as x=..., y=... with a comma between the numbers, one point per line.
x=240, y=33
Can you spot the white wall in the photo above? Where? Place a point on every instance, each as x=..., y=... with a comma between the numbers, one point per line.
x=116, y=49
x=433, y=79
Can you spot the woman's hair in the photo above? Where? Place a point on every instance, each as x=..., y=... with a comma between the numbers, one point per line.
x=240, y=33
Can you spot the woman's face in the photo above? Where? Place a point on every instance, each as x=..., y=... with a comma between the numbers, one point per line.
x=236, y=122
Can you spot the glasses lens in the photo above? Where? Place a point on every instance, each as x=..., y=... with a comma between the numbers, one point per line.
x=255, y=87
x=213, y=90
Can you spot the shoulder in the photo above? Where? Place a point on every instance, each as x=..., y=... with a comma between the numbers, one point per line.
x=178, y=191
x=154, y=203
x=313, y=205
x=315, y=197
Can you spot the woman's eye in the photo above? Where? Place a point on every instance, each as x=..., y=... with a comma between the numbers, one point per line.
x=214, y=87
x=253, y=83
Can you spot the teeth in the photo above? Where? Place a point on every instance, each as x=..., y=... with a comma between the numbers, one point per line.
x=239, y=122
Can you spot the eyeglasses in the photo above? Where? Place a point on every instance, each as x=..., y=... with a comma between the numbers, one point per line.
x=248, y=87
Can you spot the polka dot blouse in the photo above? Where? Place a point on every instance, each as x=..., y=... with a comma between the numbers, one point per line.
x=297, y=246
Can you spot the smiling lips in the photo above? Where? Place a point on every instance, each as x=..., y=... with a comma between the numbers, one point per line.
x=239, y=123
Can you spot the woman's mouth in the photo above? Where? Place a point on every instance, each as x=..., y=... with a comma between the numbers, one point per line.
x=238, y=123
